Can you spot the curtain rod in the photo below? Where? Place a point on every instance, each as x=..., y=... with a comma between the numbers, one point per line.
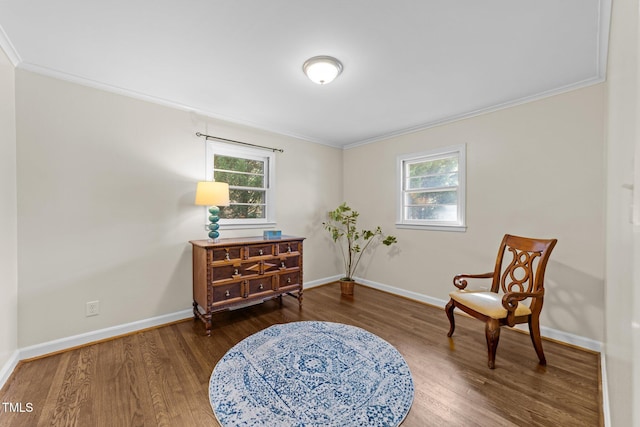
x=207, y=137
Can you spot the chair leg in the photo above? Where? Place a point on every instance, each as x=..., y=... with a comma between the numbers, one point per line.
x=492, y=332
x=449, y=309
x=534, y=332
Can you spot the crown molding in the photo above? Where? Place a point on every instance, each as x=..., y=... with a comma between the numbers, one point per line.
x=490, y=109
x=405, y=131
x=9, y=49
x=83, y=81
x=604, y=27
x=600, y=62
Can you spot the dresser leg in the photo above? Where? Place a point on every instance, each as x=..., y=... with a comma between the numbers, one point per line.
x=208, y=324
x=300, y=298
x=206, y=318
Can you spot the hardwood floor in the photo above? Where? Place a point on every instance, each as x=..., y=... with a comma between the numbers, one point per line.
x=160, y=377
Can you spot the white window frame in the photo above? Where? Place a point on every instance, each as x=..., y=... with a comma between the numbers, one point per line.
x=269, y=157
x=402, y=160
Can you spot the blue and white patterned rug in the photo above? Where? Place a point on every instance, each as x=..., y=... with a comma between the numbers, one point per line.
x=306, y=374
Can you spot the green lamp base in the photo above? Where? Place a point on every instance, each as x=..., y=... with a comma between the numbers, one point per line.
x=213, y=227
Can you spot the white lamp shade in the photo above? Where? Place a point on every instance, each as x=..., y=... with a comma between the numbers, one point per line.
x=322, y=69
x=211, y=193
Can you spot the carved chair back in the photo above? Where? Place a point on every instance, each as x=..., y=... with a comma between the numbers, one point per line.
x=520, y=267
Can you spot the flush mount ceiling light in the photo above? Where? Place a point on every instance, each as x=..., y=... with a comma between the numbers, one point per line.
x=322, y=69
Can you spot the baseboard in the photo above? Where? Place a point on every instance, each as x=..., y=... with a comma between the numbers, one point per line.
x=402, y=292
x=550, y=333
x=606, y=411
x=100, y=334
x=62, y=344
x=55, y=346
x=320, y=282
x=568, y=338
x=8, y=368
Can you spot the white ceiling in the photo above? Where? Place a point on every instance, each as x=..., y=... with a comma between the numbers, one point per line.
x=408, y=64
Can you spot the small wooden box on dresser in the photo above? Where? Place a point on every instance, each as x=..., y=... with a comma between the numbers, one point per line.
x=233, y=273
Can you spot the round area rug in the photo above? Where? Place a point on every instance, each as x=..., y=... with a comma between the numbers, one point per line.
x=307, y=374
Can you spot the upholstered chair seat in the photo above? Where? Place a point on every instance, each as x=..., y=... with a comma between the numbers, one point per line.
x=488, y=303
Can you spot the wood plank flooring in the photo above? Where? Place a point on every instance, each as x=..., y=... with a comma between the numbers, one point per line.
x=160, y=377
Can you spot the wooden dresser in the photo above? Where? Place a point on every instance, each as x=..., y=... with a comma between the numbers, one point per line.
x=233, y=273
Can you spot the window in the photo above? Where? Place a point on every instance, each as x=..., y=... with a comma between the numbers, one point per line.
x=249, y=173
x=432, y=189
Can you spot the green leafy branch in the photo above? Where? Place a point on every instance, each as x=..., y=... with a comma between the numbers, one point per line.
x=353, y=243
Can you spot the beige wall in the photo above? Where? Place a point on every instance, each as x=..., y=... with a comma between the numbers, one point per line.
x=535, y=170
x=623, y=242
x=105, y=204
x=8, y=212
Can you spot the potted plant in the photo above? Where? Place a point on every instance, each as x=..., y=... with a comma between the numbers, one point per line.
x=342, y=225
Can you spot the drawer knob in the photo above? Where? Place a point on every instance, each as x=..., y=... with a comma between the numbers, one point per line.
x=261, y=287
x=235, y=272
x=226, y=256
x=283, y=265
x=227, y=294
x=288, y=279
x=289, y=247
x=261, y=252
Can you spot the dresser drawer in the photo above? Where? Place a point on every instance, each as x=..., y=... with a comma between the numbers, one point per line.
x=226, y=292
x=289, y=279
x=259, y=250
x=260, y=285
x=225, y=272
x=288, y=247
x=221, y=255
x=289, y=262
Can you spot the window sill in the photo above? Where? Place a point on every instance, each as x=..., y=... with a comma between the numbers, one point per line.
x=433, y=227
x=255, y=225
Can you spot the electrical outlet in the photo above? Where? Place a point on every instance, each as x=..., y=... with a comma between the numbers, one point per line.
x=93, y=308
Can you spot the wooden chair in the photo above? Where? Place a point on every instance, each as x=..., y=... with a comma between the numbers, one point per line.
x=516, y=295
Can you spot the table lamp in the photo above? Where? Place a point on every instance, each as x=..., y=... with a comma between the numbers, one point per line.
x=213, y=194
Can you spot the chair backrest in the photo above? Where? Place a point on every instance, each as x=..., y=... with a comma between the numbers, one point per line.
x=524, y=272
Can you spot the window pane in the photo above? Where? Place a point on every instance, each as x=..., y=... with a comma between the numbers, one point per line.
x=237, y=164
x=247, y=171
x=432, y=190
x=239, y=179
x=434, y=205
x=431, y=181
x=243, y=211
x=247, y=196
x=432, y=198
x=432, y=212
x=431, y=167
x=245, y=204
